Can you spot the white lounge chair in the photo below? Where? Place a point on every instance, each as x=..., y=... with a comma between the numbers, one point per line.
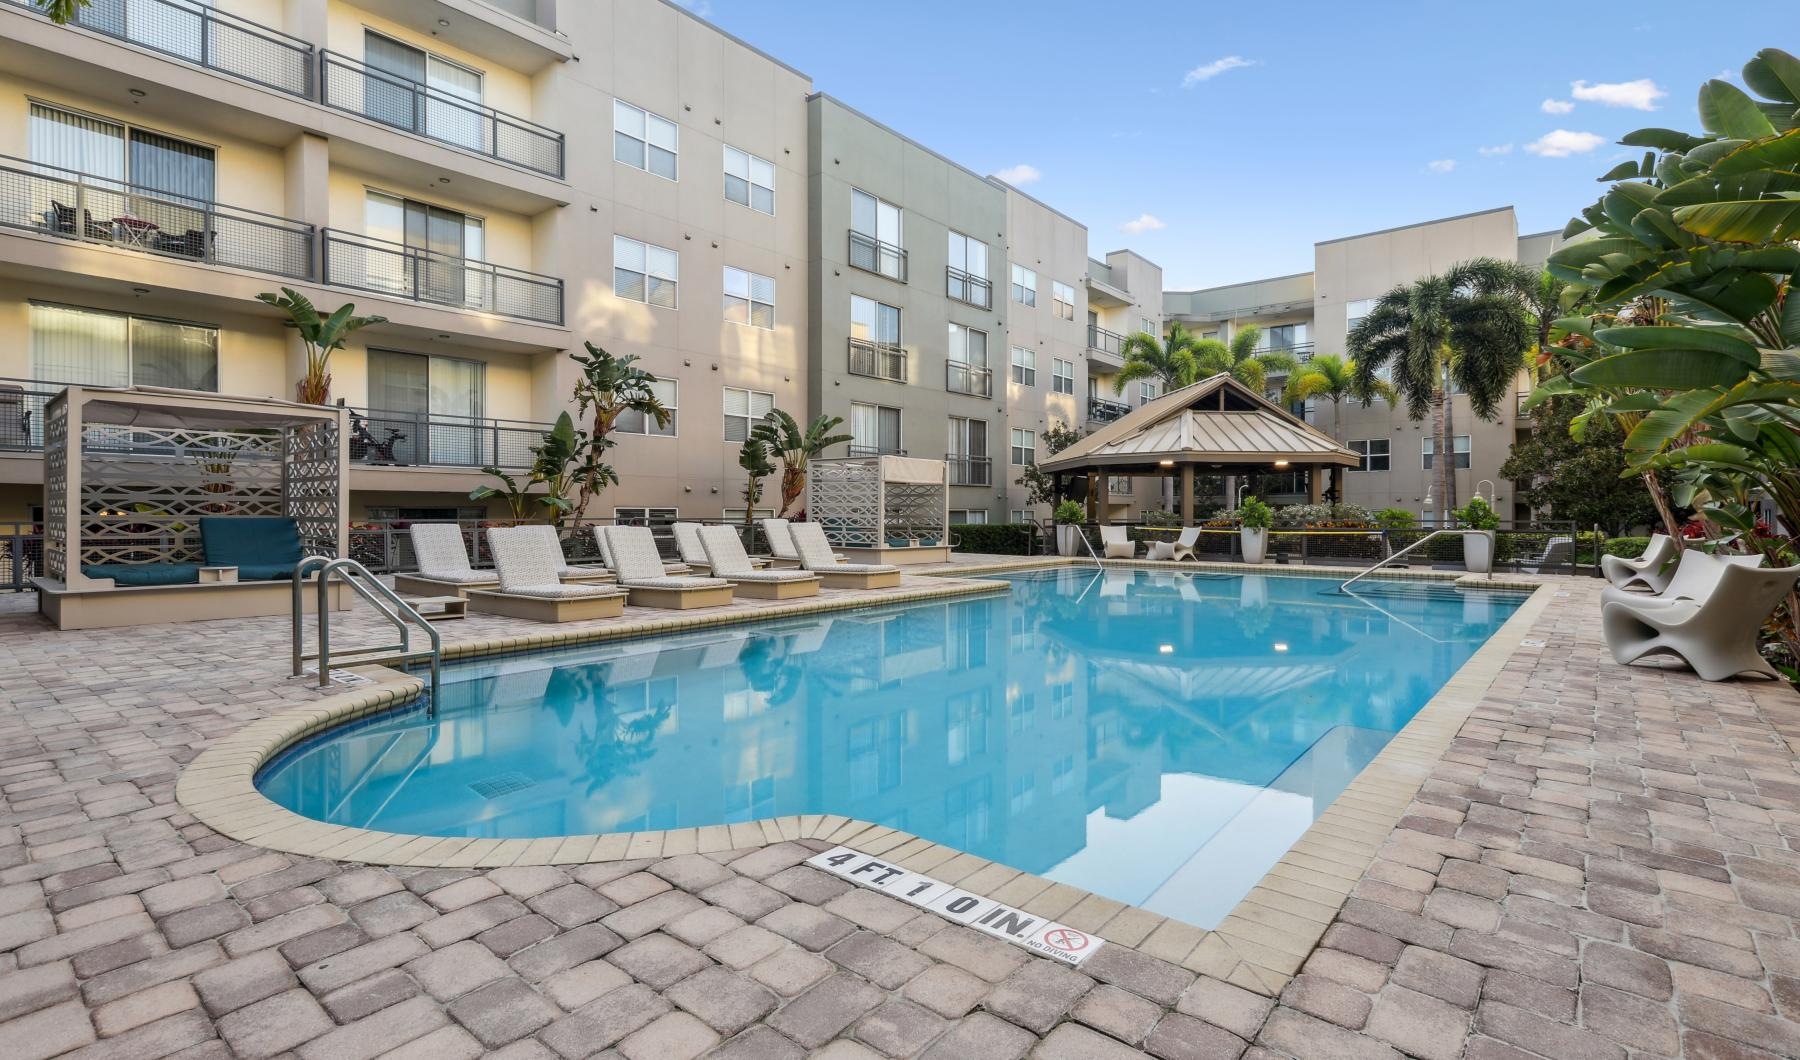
x=1116, y=543
x=1559, y=552
x=815, y=554
x=1695, y=578
x=564, y=571
x=1180, y=548
x=1716, y=635
x=780, y=536
x=530, y=588
x=1650, y=571
x=687, y=543
x=726, y=558
x=640, y=571
x=606, y=557
x=443, y=561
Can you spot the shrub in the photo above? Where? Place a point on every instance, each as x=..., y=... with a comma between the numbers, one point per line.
x=1478, y=514
x=996, y=539
x=1255, y=515
x=1323, y=516
x=1395, y=519
x=1070, y=512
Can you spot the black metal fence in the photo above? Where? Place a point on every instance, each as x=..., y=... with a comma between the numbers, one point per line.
x=386, y=438
x=1108, y=342
x=960, y=378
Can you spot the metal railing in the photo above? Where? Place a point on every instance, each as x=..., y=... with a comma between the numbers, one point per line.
x=21, y=555
x=363, y=263
x=968, y=288
x=70, y=205
x=970, y=470
x=1384, y=561
x=960, y=378
x=1300, y=351
x=401, y=614
x=875, y=450
x=199, y=34
x=879, y=360
x=1101, y=410
x=386, y=438
x=349, y=85
x=1101, y=340
x=872, y=255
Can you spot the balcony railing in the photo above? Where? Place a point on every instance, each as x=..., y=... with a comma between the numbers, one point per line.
x=872, y=255
x=349, y=85
x=1101, y=340
x=1299, y=351
x=198, y=34
x=1101, y=410
x=877, y=359
x=960, y=378
x=382, y=267
x=61, y=202
x=969, y=288
x=876, y=450
x=385, y=438
x=970, y=470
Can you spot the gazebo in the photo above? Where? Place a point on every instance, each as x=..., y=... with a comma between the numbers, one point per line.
x=882, y=509
x=129, y=475
x=1217, y=426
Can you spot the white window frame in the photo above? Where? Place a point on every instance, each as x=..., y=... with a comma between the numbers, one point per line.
x=648, y=272
x=1462, y=457
x=968, y=516
x=956, y=345
x=1024, y=368
x=1355, y=310
x=647, y=141
x=1024, y=285
x=1062, y=299
x=1363, y=447
x=1024, y=442
x=751, y=164
x=740, y=291
x=1147, y=391
x=646, y=426
x=646, y=515
x=1062, y=376
x=749, y=416
x=1020, y=515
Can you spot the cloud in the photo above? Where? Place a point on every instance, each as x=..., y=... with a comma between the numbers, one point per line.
x=1441, y=165
x=1497, y=149
x=1556, y=106
x=1020, y=175
x=1641, y=94
x=1145, y=222
x=1562, y=143
x=1208, y=71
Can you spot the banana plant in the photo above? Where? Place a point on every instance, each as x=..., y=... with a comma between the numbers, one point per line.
x=753, y=457
x=61, y=12
x=608, y=388
x=323, y=335
x=783, y=437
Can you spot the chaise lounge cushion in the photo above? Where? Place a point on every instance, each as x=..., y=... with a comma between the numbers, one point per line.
x=261, y=547
x=145, y=573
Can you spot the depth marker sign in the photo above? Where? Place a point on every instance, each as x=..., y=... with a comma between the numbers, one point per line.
x=1047, y=937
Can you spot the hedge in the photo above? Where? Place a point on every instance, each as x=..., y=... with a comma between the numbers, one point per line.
x=994, y=539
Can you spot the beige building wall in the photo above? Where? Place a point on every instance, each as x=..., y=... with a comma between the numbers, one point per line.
x=1055, y=247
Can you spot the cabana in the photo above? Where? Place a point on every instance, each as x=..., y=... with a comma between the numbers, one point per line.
x=882, y=509
x=176, y=505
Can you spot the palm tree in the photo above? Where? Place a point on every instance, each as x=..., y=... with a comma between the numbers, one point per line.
x=1333, y=377
x=61, y=12
x=1170, y=362
x=1241, y=360
x=610, y=387
x=1466, y=329
x=780, y=433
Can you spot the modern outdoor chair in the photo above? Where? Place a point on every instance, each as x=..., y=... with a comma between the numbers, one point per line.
x=529, y=569
x=443, y=561
x=726, y=558
x=1180, y=548
x=564, y=571
x=640, y=570
x=779, y=534
x=1559, y=552
x=1647, y=571
x=687, y=543
x=1116, y=542
x=1716, y=636
x=1696, y=578
x=815, y=554
x=606, y=556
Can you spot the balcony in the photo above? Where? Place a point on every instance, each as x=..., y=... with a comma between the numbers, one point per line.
x=970, y=470
x=60, y=202
x=876, y=450
x=872, y=255
x=968, y=288
x=348, y=85
x=384, y=438
x=878, y=360
x=197, y=34
x=413, y=273
x=1299, y=351
x=960, y=378
x=1105, y=350
x=1101, y=410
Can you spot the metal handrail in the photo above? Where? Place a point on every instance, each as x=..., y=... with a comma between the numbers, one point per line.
x=1384, y=562
x=396, y=610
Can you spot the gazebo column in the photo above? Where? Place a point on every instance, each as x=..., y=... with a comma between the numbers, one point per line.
x=1231, y=494
x=1314, y=483
x=1187, y=495
x=1093, y=509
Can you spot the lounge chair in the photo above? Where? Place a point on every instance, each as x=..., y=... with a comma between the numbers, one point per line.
x=1180, y=548
x=564, y=571
x=726, y=558
x=1650, y=571
x=687, y=543
x=1716, y=635
x=1695, y=579
x=606, y=556
x=640, y=571
x=443, y=560
x=1559, y=552
x=530, y=588
x=1116, y=542
x=780, y=536
x=814, y=550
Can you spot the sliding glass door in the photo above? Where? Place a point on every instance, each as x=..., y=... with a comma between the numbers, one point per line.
x=435, y=402
x=448, y=241
x=136, y=186
x=423, y=93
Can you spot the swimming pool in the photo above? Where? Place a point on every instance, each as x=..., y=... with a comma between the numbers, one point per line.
x=1160, y=739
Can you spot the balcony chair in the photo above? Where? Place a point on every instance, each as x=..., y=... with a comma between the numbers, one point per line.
x=726, y=558
x=687, y=543
x=1179, y=549
x=1696, y=577
x=1715, y=635
x=641, y=572
x=1650, y=571
x=606, y=556
x=529, y=567
x=1116, y=543
x=815, y=553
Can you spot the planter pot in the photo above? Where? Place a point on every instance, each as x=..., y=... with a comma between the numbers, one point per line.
x=1478, y=551
x=1068, y=540
x=1256, y=543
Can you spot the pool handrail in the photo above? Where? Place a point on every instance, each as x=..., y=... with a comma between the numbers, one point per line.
x=396, y=610
x=1389, y=559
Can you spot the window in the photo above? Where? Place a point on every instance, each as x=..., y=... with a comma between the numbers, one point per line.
x=875, y=339
x=1460, y=443
x=968, y=348
x=1374, y=453
x=1019, y=515
x=874, y=429
x=968, y=275
x=645, y=272
x=643, y=140
x=435, y=110
x=1024, y=285
x=1146, y=392
x=749, y=298
x=1062, y=299
x=436, y=404
x=1147, y=326
x=113, y=151
x=442, y=235
x=667, y=391
x=1355, y=311
x=88, y=347
x=969, y=516
x=742, y=409
x=1024, y=446
x=645, y=516
x=875, y=236
x=1062, y=376
x=1024, y=366
x=967, y=452
x=749, y=180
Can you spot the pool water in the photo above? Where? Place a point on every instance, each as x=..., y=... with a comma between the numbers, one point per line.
x=1160, y=739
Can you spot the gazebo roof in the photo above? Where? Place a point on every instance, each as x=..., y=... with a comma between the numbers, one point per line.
x=1215, y=421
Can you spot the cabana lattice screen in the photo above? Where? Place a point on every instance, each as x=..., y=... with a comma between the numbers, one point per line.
x=312, y=485
x=56, y=488
x=144, y=489
x=862, y=501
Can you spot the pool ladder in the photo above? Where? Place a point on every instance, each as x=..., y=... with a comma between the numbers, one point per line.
x=1382, y=563
x=403, y=615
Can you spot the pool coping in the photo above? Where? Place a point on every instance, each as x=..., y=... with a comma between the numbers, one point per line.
x=1259, y=945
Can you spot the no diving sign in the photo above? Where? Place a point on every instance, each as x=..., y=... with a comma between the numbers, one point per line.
x=1035, y=933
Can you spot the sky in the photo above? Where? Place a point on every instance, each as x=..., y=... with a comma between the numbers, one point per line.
x=1221, y=140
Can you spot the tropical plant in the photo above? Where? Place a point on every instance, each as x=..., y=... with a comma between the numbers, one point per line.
x=1584, y=480
x=1466, y=329
x=1334, y=378
x=1040, y=487
x=517, y=495
x=1395, y=519
x=61, y=12
x=1170, y=361
x=608, y=388
x=1478, y=514
x=782, y=435
x=1069, y=512
x=1241, y=359
x=1254, y=514
x=753, y=457
x=555, y=465
x=322, y=335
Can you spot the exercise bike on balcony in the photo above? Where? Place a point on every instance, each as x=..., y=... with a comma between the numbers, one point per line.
x=366, y=449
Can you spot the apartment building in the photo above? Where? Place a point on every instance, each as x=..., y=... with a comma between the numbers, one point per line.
x=1314, y=311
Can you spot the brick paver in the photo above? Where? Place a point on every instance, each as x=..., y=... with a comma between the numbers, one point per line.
x=1601, y=865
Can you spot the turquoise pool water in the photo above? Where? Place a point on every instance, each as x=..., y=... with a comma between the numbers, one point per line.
x=1160, y=739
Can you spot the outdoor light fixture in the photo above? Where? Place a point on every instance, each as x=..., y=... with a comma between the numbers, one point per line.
x=1281, y=463
x=1281, y=645
x=1165, y=463
x=1166, y=649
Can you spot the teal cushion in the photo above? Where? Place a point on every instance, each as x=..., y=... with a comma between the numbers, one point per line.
x=251, y=542
x=265, y=572
x=145, y=573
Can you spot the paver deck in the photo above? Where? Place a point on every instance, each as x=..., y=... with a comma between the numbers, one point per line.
x=1600, y=865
